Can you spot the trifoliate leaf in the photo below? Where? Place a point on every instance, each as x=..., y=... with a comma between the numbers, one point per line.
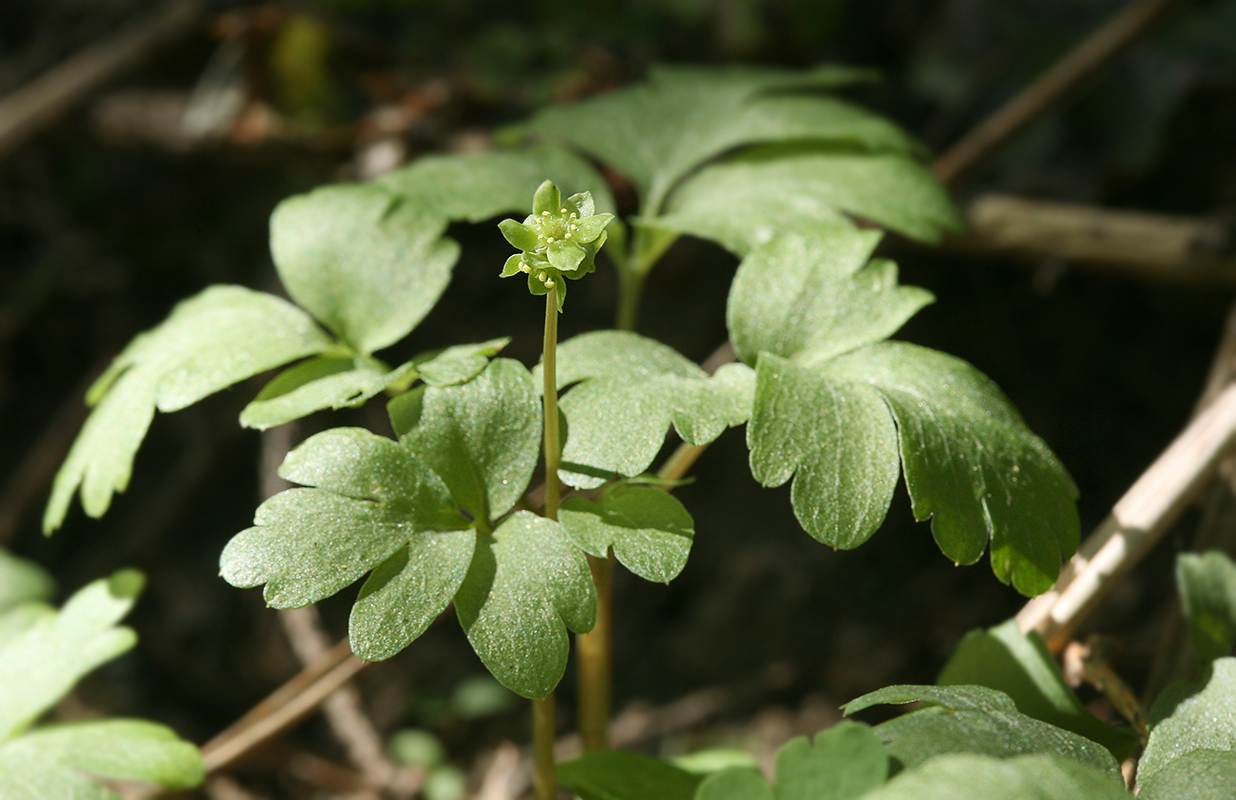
x=477, y=187
x=407, y=591
x=221, y=336
x=22, y=581
x=1208, y=589
x=970, y=462
x=459, y=363
x=1198, y=775
x=365, y=263
x=649, y=530
x=527, y=585
x=319, y=383
x=631, y=389
x=1191, y=717
x=815, y=295
x=482, y=437
x=47, y=659
x=39, y=663
x=1020, y=665
x=658, y=132
x=40, y=763
x=623, y=775
x=750, y=198
x=1044, y=776
x=839, y=441
x=976, y=720
x=373, y=496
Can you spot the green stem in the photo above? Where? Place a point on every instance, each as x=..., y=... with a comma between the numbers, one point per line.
x=594, y=652
x=630, y=287
x=544, y=773
x=545, y=777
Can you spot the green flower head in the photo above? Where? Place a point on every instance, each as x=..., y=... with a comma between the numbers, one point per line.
x=558, y=240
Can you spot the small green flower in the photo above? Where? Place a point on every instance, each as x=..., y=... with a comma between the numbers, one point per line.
x=558, y=240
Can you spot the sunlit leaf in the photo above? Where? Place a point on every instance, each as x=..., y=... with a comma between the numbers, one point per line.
x=365, y=263
x=320, y=383
x=1044, y=776
x=648, y=529
x=1020, y=665
x=630, y=390
x=1197, y=775
x=372, y=497
x=22, y=581
x=527, y=585
x=459, y=363
x=483, y=437
x=975, y=720
x=1191, y=717
x=221, y=336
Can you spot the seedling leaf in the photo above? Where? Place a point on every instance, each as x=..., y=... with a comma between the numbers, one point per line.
x=527, y=585
x=1208, y=590
x=366, y=264
x=1190, y=717
x=483, y=437
x=221, y=336
x=972, y=719
x=649, y=530
x=631, y=389
x=372, y=497
x=622, y=775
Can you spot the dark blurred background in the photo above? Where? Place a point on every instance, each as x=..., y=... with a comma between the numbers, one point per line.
x=160, y=182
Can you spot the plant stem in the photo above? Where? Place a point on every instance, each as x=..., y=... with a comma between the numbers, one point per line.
x=596, y=661
x=544, y=776
x=544, y=773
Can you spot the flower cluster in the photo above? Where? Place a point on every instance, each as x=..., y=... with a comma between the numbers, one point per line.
x=558, y=240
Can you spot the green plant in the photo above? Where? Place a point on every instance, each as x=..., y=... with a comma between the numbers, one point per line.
x=774, y=169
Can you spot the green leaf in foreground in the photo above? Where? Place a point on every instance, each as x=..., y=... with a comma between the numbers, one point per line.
x=221, y=336
x=630, y=390
x=38, y=666
x=319, y=383
x=365, y=263
x=748, y=199
x=648, y=529
x=1043, y=776
x=975, y=720
x=1198, y=775
x=483, y=437
x=527, y=585
x=372, y=498
x=1005, y=659
x=1190, y=717
x=621, y=775
x=1208, y=590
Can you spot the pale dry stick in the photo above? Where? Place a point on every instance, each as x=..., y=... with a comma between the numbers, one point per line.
x=1089, y=57
x=44, y=100
x=1155, y=246
x=288, y=705
x=1136, y=523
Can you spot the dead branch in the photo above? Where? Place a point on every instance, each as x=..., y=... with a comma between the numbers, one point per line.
x=37, y=105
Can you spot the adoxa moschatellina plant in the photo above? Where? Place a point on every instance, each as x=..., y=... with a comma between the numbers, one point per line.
x=766, y=163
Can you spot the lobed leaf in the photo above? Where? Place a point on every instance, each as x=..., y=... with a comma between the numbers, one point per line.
x=319, y=383
x=658, y=132
x=221, y=336
x=1208, y=591
x=1192, y=717
x=373, y=497
x=973, y=720
x=364, y=262
x=527, y=585
x=22, y=581
x=477, y=187
x=483, y=437
x=748, y=199
x=1020, y=665
x=42, y=662
x=623, y=775
x=813, y=296
x=649, y=530
x=459, y=363
x=1044, y=776
x=630, y=390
